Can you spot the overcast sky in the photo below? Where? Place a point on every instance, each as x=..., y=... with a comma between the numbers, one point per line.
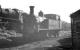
x=61, y=7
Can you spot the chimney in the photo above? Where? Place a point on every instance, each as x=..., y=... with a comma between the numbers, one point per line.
x=40, y=14
x=31, y=10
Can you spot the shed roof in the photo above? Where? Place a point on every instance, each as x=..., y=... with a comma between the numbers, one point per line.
x=77, y=13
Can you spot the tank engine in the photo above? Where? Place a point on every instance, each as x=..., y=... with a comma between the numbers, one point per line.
x=15, y=27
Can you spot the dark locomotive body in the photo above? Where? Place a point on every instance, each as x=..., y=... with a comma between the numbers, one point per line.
x=13, y=30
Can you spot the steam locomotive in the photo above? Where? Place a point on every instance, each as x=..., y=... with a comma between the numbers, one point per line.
x=16, y=27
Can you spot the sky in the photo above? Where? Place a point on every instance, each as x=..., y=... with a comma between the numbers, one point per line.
x=60, y=7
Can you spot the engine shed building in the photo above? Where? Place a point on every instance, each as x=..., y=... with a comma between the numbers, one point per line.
x=75, y=28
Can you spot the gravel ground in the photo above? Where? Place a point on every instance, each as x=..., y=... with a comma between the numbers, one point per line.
x=39, y=45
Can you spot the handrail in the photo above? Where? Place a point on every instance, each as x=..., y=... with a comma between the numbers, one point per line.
x=9, y=18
